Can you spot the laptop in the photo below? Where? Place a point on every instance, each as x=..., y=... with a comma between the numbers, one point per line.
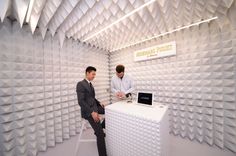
x=145, y=98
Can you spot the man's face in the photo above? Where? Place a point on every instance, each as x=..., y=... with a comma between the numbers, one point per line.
x=120, y=75
x=90, y=75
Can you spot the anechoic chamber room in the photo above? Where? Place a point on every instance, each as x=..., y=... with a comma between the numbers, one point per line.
x=182, y=52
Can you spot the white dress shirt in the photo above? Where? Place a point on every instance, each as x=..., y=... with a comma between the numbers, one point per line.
x=87, y=80
x=124, y=85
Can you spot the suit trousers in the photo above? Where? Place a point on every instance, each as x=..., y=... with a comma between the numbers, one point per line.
x=98, y=131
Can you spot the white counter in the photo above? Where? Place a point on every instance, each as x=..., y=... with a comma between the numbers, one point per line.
x=136, y=130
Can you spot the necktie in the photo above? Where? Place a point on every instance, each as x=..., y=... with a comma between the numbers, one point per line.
x=91, y=86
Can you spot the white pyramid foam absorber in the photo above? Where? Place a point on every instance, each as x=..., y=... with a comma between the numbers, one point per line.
x=198, y=84
x=38, y=103
x=135, y=130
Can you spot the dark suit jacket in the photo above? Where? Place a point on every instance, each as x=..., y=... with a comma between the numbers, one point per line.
x=86, y=99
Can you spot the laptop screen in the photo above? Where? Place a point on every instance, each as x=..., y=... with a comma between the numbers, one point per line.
x=145, y=98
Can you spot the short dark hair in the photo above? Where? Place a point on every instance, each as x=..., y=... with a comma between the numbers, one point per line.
x=120, y=68
x=90, y=68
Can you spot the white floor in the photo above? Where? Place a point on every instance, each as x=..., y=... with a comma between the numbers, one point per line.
x=178, y=147
x=68, y=147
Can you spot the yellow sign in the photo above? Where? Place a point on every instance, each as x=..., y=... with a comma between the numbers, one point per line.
x=163, y=50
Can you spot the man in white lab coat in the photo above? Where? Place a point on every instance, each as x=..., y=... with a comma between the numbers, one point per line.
x=121, y=84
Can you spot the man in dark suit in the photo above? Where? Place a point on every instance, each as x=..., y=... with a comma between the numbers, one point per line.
x=91, y=108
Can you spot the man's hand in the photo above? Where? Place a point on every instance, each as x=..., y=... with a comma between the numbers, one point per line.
x=95, y=116
x=103, y=105
x=120, y=95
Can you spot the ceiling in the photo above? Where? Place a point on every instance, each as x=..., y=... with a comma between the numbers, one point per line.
x=111, y=24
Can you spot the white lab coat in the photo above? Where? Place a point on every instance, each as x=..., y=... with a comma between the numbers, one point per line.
x=125, y=84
